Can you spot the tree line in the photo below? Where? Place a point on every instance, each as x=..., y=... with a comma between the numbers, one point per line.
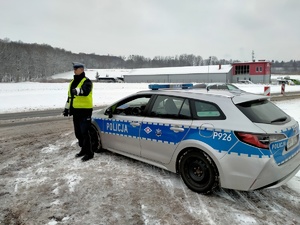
x=290, y=67
x=32, y=62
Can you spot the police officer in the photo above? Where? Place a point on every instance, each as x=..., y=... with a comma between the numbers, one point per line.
x=80, y=105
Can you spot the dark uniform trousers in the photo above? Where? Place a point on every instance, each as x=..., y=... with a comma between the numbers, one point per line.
x=81, y=128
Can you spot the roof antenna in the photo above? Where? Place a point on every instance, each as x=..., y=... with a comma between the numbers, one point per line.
x=253, y=57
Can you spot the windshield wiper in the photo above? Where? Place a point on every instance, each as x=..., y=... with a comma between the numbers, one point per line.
x=280, y=119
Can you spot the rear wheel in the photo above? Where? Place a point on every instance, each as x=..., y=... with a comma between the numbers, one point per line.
x=198, y=171
x=95, y=139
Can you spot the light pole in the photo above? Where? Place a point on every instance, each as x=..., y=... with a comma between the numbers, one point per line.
x=208, y=69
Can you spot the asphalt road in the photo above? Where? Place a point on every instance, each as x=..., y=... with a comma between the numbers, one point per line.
x=32, y=117
x=32, y=114
x=22, y=115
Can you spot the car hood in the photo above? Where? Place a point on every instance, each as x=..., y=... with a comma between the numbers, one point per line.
x=98, y=113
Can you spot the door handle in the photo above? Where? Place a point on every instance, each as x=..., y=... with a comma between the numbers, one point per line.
x=135, y=124
x=177, y=129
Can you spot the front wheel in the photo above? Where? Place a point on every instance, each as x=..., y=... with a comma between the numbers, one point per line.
x=95, y=139
x=198, y=171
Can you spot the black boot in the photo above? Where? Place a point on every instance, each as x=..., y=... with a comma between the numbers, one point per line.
x=87, y=157
x=81, y=153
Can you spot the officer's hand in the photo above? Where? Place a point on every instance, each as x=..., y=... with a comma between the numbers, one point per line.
x=66, y=112
x=76, y=91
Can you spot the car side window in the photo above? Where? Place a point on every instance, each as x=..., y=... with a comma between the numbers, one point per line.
x=208, y=111
x=185, y=112
x=132, y=106
x=171, y=107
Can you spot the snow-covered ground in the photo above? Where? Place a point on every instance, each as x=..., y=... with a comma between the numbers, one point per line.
x=28, y=96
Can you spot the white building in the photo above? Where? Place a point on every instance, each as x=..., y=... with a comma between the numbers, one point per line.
x=257, y=72
x=212, y=73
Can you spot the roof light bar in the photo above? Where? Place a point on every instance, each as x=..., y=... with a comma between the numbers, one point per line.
x=169, y=86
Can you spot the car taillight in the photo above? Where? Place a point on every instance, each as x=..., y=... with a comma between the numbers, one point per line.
x=259, y=140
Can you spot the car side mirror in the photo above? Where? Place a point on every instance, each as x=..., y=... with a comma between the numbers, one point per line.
x=109, y=112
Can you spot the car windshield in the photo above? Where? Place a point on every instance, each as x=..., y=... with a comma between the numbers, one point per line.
x=263, y=111
x=232, y=87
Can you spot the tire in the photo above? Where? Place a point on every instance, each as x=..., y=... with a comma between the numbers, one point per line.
x=198, y=171
x=95, y=139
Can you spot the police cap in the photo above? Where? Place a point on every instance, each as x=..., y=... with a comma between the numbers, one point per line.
x=77, y=65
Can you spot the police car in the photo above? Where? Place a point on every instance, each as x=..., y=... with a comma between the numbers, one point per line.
x=211, y=138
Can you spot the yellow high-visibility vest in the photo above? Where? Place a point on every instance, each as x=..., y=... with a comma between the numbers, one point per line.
x=81, y=102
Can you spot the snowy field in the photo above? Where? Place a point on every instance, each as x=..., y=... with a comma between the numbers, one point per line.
x=29, y=96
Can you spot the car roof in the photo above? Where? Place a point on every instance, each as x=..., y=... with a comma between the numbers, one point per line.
x=236, y=96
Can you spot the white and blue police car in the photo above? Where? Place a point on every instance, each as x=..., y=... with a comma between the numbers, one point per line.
x=212, y=138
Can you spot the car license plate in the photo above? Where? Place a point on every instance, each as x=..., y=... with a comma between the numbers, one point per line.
x=292, y=141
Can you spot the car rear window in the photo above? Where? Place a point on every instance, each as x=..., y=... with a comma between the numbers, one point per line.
x=263, y=111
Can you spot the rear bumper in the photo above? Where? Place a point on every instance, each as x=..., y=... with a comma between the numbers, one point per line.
x=282, y=181
x=273, y=175
x=251, y=173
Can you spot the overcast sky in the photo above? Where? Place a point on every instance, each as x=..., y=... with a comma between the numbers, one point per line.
x=227, y=29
